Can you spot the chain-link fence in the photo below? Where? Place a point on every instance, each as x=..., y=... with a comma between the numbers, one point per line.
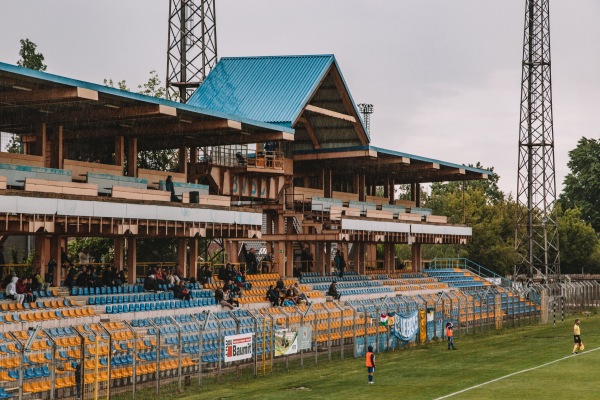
x=96, y=361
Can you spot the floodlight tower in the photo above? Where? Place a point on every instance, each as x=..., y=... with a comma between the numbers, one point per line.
x=192, y=47
x=366, y=110
x=536, y=234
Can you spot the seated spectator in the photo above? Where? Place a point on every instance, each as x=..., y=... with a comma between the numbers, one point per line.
x=81, y=278
x=11, y=290
x=71, y=278
x=177, y=274
x=121, y=276
x=299, y=295
x=49, y=278
x=289, y=295
x=273, y=296
x=160, y=278
x=28, y=297
x=240, y=281
x=220, y=299
x=37, y=282
x=333, y=292
x=181, y=292
x=150, y=283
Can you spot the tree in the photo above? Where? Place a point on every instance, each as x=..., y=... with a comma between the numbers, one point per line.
x=29, y=57
x=578, y=244
x=582, y=183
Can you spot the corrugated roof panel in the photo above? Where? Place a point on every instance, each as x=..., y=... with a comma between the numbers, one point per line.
x=270, y=89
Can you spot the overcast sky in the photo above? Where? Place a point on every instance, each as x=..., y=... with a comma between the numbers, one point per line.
x=443, y=75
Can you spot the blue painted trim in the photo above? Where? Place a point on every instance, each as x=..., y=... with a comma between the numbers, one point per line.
x=61, y=80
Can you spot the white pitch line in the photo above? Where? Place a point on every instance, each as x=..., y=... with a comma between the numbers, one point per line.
x=514, y=373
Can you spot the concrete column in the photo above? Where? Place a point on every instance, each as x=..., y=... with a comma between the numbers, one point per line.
x=119, y=253
x=371, y=255
x=193, y=243
x=182, y=254
x=391, y=187
x=416, y=257
x=415, y=193
x=131, y=259
x=389, y=254
x=132, y=157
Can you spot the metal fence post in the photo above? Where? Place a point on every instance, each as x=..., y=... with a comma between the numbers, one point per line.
x=179, y=371
x=133, y=359
x=157, y=388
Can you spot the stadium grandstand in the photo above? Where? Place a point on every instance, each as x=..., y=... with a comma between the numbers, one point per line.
x=274, y=161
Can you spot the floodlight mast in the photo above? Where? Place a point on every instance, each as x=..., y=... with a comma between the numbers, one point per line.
x=536, y=233
x=192, y=46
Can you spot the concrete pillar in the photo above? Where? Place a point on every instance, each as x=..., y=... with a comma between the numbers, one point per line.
x=41, y=142
x=416, y=257
x=183, y=160
x=193, y=262
x=371, y=255
x=131, y=259
x=389, y=251
x=119, y=253
x=328, y=259
x=182, y=254
x=391, y=187
x=415, y=193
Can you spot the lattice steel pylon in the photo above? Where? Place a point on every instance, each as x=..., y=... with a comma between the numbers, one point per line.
x=192, y=50
x=536, y=233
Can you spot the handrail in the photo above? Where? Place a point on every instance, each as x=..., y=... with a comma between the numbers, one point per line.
x=465, y=263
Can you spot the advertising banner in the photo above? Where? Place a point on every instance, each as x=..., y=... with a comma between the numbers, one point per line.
x=304, y=338
x=286, y=342
x=238, y=347
x=406, y=327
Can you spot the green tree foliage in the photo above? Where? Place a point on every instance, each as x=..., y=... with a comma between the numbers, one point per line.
x=100, y=249
x=29, y=57
x=582, y=183
x=579, y=244
x=484, y=207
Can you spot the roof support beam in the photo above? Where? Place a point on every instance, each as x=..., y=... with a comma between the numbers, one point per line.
x=311, y=132
x=330, y=113
x=452, y=171
x=214, y=140
x=58, y=95
x=155, y=129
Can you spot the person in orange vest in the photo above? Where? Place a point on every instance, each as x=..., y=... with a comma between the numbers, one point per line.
x=370, y=363
x=449, y=335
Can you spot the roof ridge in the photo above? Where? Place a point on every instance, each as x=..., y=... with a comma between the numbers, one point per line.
x=281, y=56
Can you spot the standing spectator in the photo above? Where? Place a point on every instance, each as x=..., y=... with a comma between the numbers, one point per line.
x=64, y=258
x=370, y=363
x=577, y=338
x=450, y=335
x=340, y=263
x=170, y=187
x=252, y=262
x=71, y=278
x=49, y=278
x=333, y=292
x=84, y=256
x=207, y=274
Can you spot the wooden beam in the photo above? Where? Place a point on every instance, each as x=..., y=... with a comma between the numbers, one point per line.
x=425, y=166
x=14, y=98
x=333, y=156
x=451, y=171
x=311, y=132
x=330, y=113
x=156, y=129
x=110, y=114
x=348, y=104
x=223, y=138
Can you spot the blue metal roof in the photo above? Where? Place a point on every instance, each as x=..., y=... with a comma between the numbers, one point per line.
x=393, y=153
x=61, y=80
x=272, y=89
